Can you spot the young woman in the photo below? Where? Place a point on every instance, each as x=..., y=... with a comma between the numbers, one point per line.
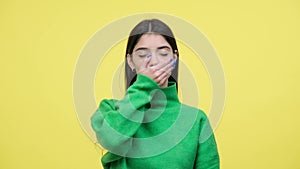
x=150, y=128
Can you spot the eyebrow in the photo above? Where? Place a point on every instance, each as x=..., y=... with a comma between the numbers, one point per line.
x=161, y=47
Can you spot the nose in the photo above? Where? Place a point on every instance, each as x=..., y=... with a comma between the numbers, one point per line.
x=154, y=60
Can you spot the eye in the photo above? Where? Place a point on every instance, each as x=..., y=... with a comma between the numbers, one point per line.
x=164, y=54
x=141, y=53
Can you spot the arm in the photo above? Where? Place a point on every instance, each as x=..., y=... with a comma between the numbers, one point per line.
x=207, y=154
x=116, y=122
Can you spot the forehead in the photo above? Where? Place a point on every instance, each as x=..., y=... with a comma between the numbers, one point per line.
x=152, y=40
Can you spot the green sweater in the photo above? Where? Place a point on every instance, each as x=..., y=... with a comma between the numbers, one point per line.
x=149, y=128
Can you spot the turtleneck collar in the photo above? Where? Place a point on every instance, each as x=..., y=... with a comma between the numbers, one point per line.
x=171, y=92
x=165, y=97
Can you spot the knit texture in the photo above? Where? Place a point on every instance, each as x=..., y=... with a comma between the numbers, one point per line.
x=151, y=129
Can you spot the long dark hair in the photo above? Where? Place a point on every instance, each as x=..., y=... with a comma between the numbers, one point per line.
x=150, y=26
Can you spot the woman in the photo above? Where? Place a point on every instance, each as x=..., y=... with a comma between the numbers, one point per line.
x=150, y=128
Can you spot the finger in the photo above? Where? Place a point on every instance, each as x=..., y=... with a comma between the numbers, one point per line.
x=170, y=69
x=166, y=68
x=170, y=66
x=162, y=64
x=147, y=61
x=158, y=70
x=164, y=75
x=162, y=79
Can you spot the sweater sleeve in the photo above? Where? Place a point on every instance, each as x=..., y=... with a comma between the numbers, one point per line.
x=115, y=122
x=207, y=154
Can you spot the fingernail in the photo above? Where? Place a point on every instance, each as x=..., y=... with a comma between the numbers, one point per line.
x=149, y=55
x=171, y=59
x=174, y=63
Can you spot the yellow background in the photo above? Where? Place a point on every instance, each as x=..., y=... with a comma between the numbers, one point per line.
x=257, y=41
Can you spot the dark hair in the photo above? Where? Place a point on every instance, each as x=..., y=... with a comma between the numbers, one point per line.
x=149, y=26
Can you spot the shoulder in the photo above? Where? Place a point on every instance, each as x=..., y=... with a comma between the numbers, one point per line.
x=190, y=109
x=107, y=103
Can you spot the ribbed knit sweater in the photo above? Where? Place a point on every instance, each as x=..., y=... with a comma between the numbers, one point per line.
x=151, y=129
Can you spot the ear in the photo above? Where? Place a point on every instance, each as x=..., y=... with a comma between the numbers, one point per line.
x=175, y=56
x=129, y=61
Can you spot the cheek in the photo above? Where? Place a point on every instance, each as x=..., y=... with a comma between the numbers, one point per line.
x=165, y=58
x=168, y=58
x=138, y=62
